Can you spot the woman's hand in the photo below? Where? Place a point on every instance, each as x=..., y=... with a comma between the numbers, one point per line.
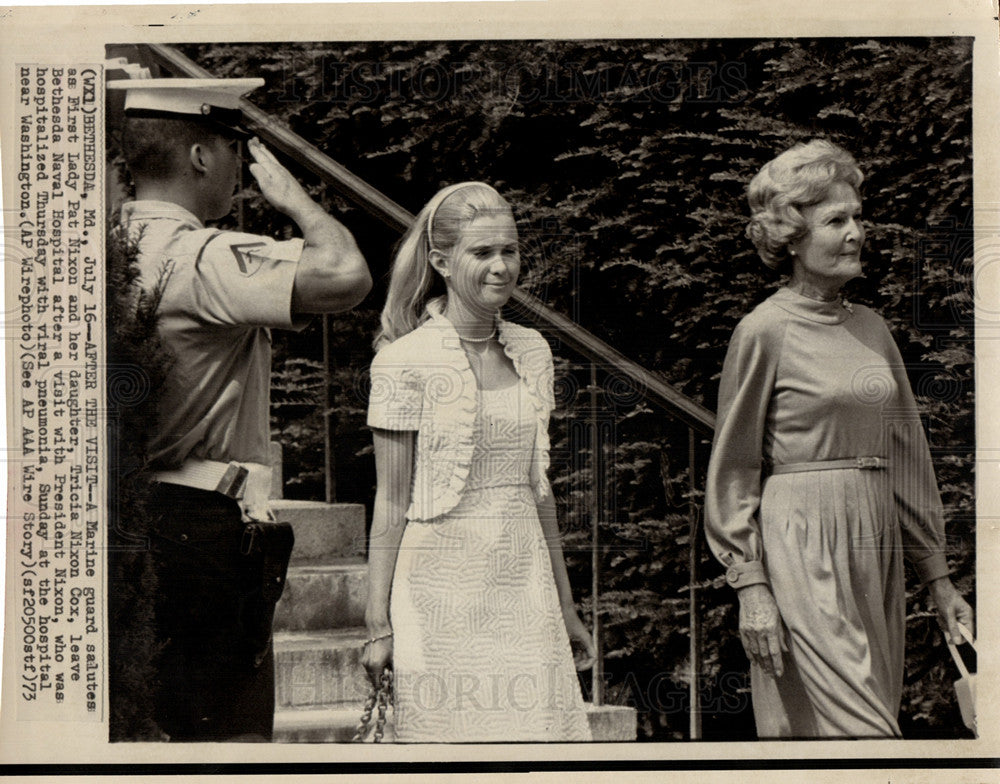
x=584, y=652
x=376, y=657
x=952, y=609
x=760, y=628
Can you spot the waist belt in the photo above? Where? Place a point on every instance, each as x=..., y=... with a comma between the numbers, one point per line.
x=227, y=478
x=862, y=463
x=477, y=486
x=249, y=482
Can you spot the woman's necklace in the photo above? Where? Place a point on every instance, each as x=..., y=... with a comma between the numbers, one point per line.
x=843, y=301
x=834, y=298
x=492, y=335
x=815, y=298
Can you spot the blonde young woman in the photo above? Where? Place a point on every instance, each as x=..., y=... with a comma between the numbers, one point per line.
x=468, y=593
x=820, y=477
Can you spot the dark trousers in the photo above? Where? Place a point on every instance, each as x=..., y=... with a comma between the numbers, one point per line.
x=216, y=667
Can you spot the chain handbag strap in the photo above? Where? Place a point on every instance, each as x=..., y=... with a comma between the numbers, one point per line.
x=379, y=699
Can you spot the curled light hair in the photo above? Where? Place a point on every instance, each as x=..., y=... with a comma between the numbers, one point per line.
x=413, y=282
x=799, y=177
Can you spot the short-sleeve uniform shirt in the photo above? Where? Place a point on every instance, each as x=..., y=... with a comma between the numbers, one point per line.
x=221, y=293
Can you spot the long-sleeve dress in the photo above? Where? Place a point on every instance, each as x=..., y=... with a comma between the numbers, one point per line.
x=803, y=382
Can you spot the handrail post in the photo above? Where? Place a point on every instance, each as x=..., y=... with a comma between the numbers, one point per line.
x=241, y=212
x=596, y=504
x=694, y=620
x=330, y=478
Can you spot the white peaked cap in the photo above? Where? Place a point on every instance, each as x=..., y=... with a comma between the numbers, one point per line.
x=184, y=96
x=131, y=70
x=217, y=100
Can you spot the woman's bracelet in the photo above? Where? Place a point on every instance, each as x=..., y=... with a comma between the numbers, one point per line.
x=385, y=636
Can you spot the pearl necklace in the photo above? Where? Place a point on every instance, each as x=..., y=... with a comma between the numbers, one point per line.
x=476, y=354
x=492, y=335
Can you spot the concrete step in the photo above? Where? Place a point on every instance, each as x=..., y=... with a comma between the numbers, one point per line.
x=331, y=724
x=330, y=596
x=319, y=668
x=610, y=723
x=338, y=723
x=322, y=531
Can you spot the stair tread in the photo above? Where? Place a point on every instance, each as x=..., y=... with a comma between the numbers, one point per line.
x=304, y=503
x=338, y=564
x=317, y=715
x=317, y=725
x=311, y=710
x=299, y=640
x=314, y=502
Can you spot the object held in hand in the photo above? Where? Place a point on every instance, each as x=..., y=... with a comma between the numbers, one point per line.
x=965, y=687
x=378, y=700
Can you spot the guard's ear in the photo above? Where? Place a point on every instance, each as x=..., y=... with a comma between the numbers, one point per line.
x=439, y=261
x=198, y=157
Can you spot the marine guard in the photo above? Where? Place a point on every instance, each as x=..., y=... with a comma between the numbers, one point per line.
x=220, y=559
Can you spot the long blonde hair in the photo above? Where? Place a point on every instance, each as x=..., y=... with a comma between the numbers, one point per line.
x=413, y=282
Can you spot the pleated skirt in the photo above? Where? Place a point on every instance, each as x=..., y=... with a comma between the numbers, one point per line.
x=833, y=553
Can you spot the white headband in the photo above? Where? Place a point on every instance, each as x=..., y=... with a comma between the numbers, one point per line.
x=444, y=194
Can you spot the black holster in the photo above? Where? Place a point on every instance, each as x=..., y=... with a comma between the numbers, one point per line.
x=267, y=548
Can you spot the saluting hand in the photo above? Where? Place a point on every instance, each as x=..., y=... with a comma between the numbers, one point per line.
x=277, y=185
x=760, y=628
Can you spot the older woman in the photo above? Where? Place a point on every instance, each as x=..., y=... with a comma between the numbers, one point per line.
x=820, y=477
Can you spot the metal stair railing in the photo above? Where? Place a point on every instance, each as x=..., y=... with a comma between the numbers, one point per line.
x=697, y=419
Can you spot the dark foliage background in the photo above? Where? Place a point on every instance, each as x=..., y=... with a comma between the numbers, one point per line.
x=133, y=377
x=626, y=162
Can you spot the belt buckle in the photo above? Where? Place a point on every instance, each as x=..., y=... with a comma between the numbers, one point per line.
x=869, y=463
x=232, y=482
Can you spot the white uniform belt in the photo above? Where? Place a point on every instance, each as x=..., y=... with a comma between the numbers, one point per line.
x=234, y=480
x=862, y=463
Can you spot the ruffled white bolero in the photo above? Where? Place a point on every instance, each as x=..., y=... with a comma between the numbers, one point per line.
x=423, y=382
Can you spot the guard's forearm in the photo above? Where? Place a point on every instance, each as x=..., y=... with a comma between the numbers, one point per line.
x=332, y=274
x=319, y=228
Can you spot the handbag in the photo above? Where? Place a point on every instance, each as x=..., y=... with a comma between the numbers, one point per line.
x=965, y=687
x=378, y=699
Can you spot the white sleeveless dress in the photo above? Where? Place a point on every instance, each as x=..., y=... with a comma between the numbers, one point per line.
x=481, y=652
